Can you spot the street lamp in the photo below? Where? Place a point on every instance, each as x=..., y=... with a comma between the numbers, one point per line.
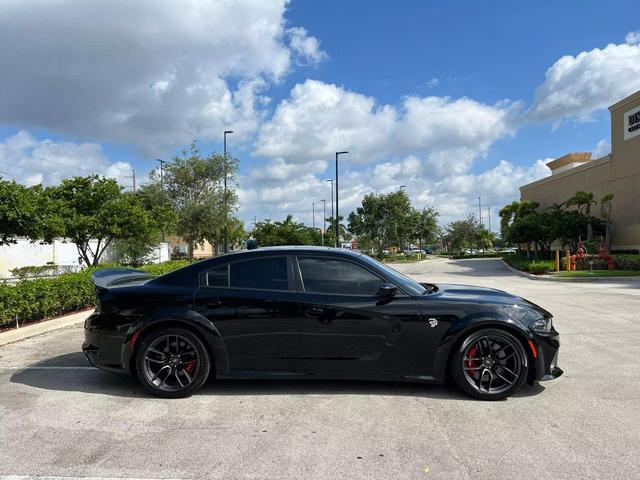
x=331, y=180
x=337, y=201
x=162, y=162
x=226, y=215
x=313, y=214
x=324, y=219
x=402, y=187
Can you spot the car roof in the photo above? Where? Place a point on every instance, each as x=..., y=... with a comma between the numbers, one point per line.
x=290, y=249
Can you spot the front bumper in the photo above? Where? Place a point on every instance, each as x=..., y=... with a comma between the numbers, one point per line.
x=546, y=347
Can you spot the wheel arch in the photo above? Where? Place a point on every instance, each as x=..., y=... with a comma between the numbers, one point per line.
x=202, y=328
x=459, y=331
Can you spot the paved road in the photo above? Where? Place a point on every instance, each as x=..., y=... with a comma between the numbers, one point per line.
x=60, y=418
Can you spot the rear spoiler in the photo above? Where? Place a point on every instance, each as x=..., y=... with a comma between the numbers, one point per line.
x=109, y=277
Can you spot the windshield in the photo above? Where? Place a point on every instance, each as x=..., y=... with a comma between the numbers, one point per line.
x=408, y=285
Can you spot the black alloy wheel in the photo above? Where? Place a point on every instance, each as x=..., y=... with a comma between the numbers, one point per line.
x=172, y=362
x=490, y=364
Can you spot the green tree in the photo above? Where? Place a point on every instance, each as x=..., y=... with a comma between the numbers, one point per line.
x=583, y=201
x=193, y=185
x=286, y=232
x=463, y=234
x=426, y=226
x=24, y=212
x=91, y=210
x=384, y=220
x=605, y=214
x=330, y=234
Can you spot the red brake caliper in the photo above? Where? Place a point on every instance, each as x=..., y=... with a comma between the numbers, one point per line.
x=190, y=366
x=472, y=363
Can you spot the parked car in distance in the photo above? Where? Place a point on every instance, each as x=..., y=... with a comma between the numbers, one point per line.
x=305, y=312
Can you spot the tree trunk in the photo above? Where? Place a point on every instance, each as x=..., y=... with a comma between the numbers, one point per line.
x=190, y=251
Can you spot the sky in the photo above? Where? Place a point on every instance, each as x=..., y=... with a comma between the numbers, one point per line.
x=453, y=100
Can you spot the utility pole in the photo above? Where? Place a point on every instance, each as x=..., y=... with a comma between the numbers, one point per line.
x=162, y=162
x=226, y=214
x=489, y=217
x=480, y=211
x=324, y=218
x=313, y=214
x=133, y=177
x=332, y=217
x=337, y=201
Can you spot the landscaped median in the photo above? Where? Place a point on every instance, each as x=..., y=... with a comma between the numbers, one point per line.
x=32, y=300
x=627, y=265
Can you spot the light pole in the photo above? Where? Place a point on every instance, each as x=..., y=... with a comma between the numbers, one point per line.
x=324, y=219
x=313, y=214
x=226, y=215
x=337, y=201
x=402, y=187
x=480, y=211
x=331, y=180
x=162, y=162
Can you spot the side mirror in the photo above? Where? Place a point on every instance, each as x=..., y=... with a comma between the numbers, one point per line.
x=387, y=290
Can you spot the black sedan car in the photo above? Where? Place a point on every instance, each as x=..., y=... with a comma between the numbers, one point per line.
x=305, y=312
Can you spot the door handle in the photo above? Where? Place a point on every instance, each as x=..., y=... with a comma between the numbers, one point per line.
x=314, y=311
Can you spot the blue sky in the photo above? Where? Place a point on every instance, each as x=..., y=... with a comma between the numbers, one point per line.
x=454, y=100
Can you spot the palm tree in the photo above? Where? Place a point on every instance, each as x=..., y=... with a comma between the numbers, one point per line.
x=584, y=200
x=605, y=213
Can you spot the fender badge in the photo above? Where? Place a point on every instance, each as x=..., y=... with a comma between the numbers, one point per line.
x=433, y=322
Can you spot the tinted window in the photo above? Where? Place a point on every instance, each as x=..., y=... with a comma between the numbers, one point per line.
x=218, y=277
x=264, y=273
x=321, y=275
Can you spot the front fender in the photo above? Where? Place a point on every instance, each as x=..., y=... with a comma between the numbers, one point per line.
x=460, y=329
x=185, y=318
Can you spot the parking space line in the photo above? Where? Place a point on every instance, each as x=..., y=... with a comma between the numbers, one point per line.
x=44, y=368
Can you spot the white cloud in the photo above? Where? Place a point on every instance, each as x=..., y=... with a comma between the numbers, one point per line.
x=306, y=47
x=31, y=161
x=632, y=38
x=319, y=118
x=426, y=144
x=602, y=148
x=575, y=87
x=154, y=73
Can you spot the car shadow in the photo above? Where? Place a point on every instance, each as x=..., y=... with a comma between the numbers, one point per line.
x=71, y=373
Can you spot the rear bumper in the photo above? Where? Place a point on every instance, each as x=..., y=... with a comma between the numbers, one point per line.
x=102, y=349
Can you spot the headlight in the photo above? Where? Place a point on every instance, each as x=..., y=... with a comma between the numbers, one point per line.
x=542, y=324
x=527, y=316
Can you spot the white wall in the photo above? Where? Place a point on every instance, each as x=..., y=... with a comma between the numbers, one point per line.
x=24, y=253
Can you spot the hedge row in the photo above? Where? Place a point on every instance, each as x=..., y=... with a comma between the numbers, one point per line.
x=32, y=300
x=623, y=262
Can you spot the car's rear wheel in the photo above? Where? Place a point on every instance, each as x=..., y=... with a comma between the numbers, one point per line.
x=489, y=364
x=172, y=362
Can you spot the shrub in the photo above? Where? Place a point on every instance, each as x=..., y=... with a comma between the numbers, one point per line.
x=49, y=270
x=32, y=300
x=541, y=266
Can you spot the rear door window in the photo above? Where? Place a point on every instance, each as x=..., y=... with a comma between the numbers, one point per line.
x=262, y=273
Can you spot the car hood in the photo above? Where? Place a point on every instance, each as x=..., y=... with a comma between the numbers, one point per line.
x=454, y=292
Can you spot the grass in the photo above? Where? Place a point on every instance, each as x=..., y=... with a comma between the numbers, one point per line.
x=598, y=273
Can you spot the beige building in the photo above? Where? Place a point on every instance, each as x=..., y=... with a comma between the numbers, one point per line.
x=617, y=173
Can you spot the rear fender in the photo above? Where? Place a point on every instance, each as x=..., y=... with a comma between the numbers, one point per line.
x=460, y=329
x=182, y=318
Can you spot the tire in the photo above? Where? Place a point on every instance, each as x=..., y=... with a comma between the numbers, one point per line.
x=489, y=364
x=172, y=363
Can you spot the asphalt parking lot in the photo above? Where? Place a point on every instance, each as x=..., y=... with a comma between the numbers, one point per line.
x=60, y=417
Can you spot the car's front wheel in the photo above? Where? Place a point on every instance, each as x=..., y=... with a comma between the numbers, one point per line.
x=172, y=362
x=489, y=364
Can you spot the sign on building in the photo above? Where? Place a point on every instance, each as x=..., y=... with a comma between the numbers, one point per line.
x=632, y=123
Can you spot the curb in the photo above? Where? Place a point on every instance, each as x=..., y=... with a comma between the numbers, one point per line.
x=29, y=331
x=545, y=278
